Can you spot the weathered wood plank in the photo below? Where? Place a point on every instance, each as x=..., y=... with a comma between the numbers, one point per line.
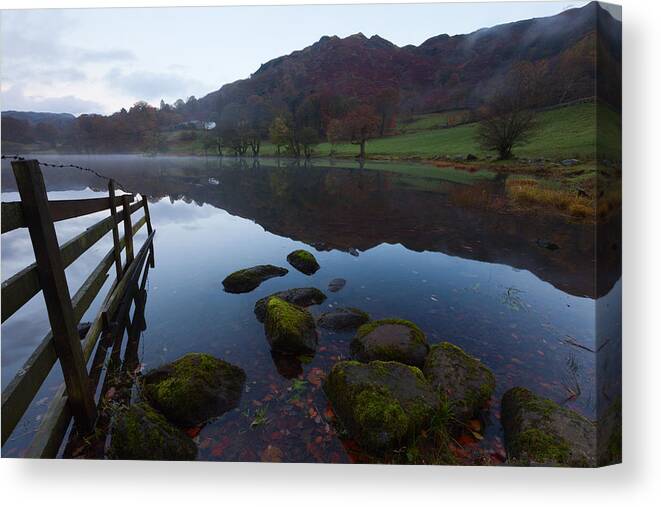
x=54, y=425
x=72, y=208
x=12, y=216
x=115, y=229
x=149, y=230
x=128, y=230
x=53, y=282
x=20, y=392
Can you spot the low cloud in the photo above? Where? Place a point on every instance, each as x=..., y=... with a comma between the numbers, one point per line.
x=15, y=99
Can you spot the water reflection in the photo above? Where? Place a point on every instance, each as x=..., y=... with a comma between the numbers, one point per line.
x=428, y=250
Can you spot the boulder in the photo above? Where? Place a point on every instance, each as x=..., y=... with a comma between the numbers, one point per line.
x=390, y=340
x=140, y=432
x=462, y=379
x=304, y=261
x=382, y=405
x=336, y=284
x=194, y=388
x=341, y=319
x=570, y=161
x=249, y=279
x=538, y=431
x=306, y=296
x=470, y=157
x=289, y=328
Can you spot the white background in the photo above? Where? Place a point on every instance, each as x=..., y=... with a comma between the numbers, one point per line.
x=637, y=482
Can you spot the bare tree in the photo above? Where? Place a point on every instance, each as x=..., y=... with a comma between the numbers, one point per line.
x=508, y=117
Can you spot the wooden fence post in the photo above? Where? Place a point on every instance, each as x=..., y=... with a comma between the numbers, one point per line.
x=128, y=230
x=53, y=282
x=149, y=230
x=115, y=230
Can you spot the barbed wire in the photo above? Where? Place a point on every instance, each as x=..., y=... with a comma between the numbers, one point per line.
x=72, y=166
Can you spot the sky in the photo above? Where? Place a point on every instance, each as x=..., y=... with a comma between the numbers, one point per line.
x=100, y=60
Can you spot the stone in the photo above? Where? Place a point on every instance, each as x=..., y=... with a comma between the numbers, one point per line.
x=341, y=319
x=382, y=405
x=459, y=378
x=538, y=431
x=140, y=433
x=336, y=284
x=246, y=280
x=289, y=328
x=470, y=157
x=304, y=261
x=570, y=161
x=549, y=245
x=305, y=296
x=194, y=388
x=390, y=340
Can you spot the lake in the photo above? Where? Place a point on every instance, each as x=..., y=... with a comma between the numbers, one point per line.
x=411, y=241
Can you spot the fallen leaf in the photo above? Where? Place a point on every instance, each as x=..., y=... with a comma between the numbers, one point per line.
x=271, y=454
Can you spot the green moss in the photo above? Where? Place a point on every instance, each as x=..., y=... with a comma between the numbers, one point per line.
x=541, y=447
x=304, y=261
x=245, y=280
x=289, y=326
x=140, y=432
x=378, y=412
x=194, y=388
x=417, y=335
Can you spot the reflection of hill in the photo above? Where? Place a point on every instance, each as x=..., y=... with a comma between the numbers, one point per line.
x=337, y=208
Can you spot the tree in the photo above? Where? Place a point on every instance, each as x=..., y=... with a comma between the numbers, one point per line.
x=309, y=139
x=279, y=133
x=357, y=126
x=386, y=103
x=508, y=117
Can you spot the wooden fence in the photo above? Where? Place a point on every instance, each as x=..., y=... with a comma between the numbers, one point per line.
x=76, y=398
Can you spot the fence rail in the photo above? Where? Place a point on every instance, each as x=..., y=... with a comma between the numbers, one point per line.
x=75, y=399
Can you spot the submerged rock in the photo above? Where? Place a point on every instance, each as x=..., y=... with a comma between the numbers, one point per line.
x=465, y=382
x=288, y=365
x=390, y=340
x=538, y=431
x=549, y=245
x=382, y=405
x=140, y=432
x=194, y=388
x=336, y=284
x=306, y=296
x=289, y=328
x=304, y=261
x=249, y=279
x=343, y=318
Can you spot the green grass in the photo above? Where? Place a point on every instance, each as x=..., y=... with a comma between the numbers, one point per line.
x=565, y=132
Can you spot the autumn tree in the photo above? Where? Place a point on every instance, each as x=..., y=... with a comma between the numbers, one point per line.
x=309, y=138
x=358, y=126
x=386, y=103
x=508, y=117
x=279, y=133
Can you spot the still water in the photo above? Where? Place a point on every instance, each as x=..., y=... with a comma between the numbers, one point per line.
x=400, y=235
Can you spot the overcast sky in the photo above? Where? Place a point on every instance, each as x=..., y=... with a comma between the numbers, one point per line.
x=100, y=60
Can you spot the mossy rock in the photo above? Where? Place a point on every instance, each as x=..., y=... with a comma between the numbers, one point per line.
x=390, y=340
x=304, y=261
x=194, y=388
x=304, y=296
x=140, y=432
x=538, y=431
x=289, y=328
x=246, y=280
x=383, y=405
x=341, y=319
x=462, y=379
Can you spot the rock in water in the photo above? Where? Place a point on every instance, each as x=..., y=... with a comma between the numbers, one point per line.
x=306, y=296
x=139, y=432
x=465, y=382
x=382, y=405
x=343, y=318
x=336, y=284
x=289, y=328
x=549, y=245
x=194, y=388
x=538, y=431
x=304, y=261
x=390, y=340
x=249, y=279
